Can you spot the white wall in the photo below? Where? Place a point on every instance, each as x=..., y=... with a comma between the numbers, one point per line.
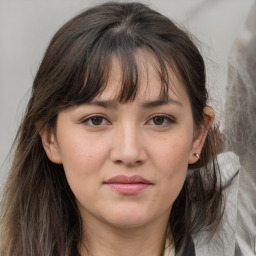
x=27, y=26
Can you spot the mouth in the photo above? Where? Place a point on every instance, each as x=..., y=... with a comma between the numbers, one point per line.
x=128, y=185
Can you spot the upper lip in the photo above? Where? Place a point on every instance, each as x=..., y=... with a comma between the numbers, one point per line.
x=123, y=179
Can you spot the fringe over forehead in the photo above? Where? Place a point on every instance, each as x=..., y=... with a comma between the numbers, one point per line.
x=77, y=63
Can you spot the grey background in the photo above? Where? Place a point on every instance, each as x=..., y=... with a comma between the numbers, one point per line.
x=26, y=28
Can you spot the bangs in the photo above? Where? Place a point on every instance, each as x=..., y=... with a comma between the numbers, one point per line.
x=78, y=62
x=131, y=55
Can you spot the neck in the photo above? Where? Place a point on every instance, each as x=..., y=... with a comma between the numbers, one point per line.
x=136, y=241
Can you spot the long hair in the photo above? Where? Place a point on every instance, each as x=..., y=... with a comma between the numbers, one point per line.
x=39, y=215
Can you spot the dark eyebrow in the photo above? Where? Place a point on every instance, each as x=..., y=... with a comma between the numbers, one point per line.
x=103, y=103
x=156, y=103
x=149, y=104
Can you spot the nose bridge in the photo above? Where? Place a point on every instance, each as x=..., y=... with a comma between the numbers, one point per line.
x=129, y=132
x=128, y=148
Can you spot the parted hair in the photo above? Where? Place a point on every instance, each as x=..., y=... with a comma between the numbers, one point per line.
x=39, y=215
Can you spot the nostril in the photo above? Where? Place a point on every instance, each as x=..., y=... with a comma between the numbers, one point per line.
x=129, y=163
x=118, y=161
x=128, y=151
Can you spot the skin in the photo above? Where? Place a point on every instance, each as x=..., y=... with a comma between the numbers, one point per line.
x=127, y=140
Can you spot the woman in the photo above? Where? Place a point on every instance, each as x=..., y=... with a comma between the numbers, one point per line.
x=117, y=115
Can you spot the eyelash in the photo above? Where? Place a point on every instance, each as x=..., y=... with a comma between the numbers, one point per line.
x=90, y=118
x=167, y=120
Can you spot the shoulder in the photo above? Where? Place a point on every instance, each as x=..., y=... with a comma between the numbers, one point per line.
x=223, y=241
x=229, y=166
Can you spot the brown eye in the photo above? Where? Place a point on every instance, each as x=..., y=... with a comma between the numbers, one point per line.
x=97, y=120
x=159, y=120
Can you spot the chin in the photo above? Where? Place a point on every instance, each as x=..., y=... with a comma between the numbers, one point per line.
x=126, y=223
x=127, y=218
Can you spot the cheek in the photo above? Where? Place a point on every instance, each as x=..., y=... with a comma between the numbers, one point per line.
x=82, y=164
x=82, y=158
x=79, y=148
x=173, y=150
x=171, y=161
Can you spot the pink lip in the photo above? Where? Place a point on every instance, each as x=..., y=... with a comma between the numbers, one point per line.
x=128, y=185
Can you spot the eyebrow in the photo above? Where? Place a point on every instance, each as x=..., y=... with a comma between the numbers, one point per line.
x=149, y=104
x=103, y=103
x=156, y=103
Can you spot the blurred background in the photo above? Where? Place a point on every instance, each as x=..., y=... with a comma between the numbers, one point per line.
x=26, y=28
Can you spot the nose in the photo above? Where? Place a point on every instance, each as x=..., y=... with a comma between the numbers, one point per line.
x=129, y=148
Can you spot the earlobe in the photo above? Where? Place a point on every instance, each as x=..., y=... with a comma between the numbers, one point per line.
x=201, y=134
x=50, y=145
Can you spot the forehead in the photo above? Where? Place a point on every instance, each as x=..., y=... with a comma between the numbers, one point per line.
x=150, y=83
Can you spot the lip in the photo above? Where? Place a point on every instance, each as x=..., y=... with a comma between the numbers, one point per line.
x=128, y=185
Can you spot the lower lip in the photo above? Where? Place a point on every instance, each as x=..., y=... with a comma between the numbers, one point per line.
x=128, y=189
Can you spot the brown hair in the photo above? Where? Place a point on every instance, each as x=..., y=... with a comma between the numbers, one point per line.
x=39, y=215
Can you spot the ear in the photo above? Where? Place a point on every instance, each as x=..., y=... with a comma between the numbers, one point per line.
x=50, y=145
x=201, y=134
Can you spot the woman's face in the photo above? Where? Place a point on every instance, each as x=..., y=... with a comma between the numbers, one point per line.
x=126, y=163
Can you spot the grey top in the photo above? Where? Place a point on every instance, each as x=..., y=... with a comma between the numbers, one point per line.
x=223, y=241
x=241, y=129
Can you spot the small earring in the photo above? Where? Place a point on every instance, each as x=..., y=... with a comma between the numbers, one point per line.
x=197, y=155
